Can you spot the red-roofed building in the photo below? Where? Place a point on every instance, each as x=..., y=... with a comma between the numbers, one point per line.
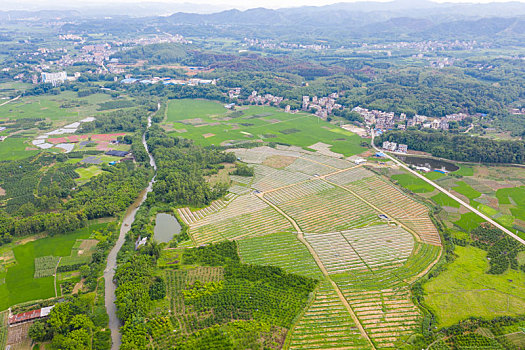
x=29, y=315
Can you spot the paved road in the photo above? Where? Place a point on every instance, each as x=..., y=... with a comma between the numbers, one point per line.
x=466, y=205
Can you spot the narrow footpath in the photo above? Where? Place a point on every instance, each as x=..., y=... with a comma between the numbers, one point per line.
x=109, y=272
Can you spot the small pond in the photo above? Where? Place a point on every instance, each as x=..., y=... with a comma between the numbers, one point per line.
x=432, y=163
x=166, y=226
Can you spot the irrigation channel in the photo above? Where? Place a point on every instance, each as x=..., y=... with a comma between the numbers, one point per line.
x=109, y=272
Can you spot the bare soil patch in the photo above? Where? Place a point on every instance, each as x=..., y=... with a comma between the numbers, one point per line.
x=278, y=162
x=2, y=192
x=208, y=135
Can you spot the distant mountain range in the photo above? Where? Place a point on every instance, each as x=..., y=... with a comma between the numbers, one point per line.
x=399, y=18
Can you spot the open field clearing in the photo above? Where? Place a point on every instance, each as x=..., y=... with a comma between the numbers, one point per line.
x=200, y=118
x=464, y=289
x=189, y=216
x=296, y=191
x=398, y=205
x=14, y=148
x=281, y=249
x=329, y=211
x=245, y=216
x=387, y=315
x=327, y=325
x=371, y=247
x=267, y=178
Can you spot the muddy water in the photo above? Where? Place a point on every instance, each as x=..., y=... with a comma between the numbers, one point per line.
x=109, y=272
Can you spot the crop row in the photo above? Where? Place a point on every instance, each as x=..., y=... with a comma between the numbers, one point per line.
x=328, y=211
x=262, y=222
x=327, y=324
x=297, y=191
x=257, y=155
x=309, y=167
x=3, y=329
x=398, y=205
x=387, y=315
x=267, y=178
x=350, y=175
x=190, y=217
x=45, y=266
x=281, y=249
x=362, y=280
x=371, y=247
x=329, y=161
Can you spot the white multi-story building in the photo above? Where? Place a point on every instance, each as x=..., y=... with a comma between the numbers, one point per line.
x=54, y=78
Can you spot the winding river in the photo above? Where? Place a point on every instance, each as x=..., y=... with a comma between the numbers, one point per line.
x=109, y=272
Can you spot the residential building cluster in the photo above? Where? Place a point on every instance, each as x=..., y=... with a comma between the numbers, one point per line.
x=389, y=120
x=234, y=93
x=323, y=106
x=394, y=147
x=267, y=99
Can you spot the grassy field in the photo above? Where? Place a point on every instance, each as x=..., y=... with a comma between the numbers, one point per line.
x=87, y=173
x=465, y=189
x=14, y=148
x=434, y=175
x=209, y=123
x=62, y=108
x=20, y=286
x=469, y=221
x=464, y=290
x=443, y=200
x=413, y=183
x=465, y=170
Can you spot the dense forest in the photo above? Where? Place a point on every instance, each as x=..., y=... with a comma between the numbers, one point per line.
x=182, y=166
x=460, y=147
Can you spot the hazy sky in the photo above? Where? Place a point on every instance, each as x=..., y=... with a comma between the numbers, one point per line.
x=224, y=3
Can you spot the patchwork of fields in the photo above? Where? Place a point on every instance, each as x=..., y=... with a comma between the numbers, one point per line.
x=355, y=229
x=209, y=123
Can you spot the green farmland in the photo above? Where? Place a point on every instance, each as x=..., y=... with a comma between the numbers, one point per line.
x=465, y=290
x=413, y=183
x=20, y=284
x=209, y=123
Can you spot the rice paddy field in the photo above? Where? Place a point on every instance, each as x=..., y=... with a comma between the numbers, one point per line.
x=21, y=283
x=209, y=123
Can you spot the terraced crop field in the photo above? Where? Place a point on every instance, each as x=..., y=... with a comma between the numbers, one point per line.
x=387, y=314
x=327, y=324
x=245, y=216
x=282, y=250
x=367, y=248
x=297, y=191
x=337, y=207
x=328, y=211
x=398, y=205
x=267, y=178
